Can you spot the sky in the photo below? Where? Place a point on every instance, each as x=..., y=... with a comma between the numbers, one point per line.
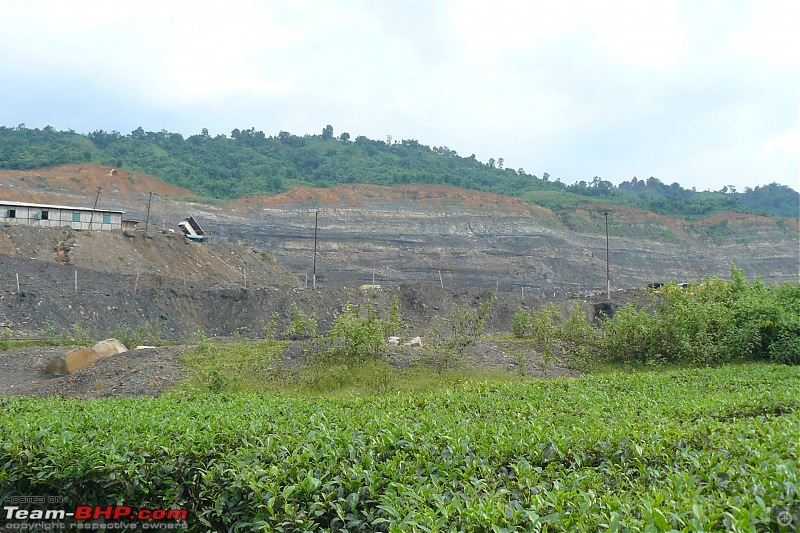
x=700, y=92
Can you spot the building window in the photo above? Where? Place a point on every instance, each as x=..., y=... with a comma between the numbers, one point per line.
x=44, y=214
x=12, y=213
x=106, y=218
x=76, y=217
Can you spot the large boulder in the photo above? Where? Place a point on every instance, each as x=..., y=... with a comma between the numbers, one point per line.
x=109, y=347
x=72, y=361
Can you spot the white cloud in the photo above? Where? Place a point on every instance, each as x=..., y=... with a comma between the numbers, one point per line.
x=683, y=90
x=642, y=34
x=772, y=34
x=788, y=143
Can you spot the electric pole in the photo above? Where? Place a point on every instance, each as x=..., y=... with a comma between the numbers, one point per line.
x=147, y=219
x=91, y=217
x=608, y=269
x=314, y=274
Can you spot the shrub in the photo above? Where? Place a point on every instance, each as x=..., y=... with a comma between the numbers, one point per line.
x=520, y=327
x=146, y=333
x=271, y=327
x=710, y=322
x=395, y=318
x=627, y=335
x=301, y=325
x=579, y=338
x=465, y=325
x=358, y=336
x=574, y=337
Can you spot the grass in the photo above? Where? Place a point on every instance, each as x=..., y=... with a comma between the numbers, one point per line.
x=235, y=366
x=257, y=367
x=381, y=378
x=10, y=344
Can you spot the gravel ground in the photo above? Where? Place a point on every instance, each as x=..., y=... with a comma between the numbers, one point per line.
x=153, y=371
x=483, y=354
x=145, y=372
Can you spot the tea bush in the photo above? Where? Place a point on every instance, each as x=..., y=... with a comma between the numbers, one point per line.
x=689, y=450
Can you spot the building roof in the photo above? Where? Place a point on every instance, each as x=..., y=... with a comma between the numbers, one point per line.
x=48, y=206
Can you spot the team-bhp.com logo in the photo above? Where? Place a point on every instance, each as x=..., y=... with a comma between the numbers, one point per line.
x=109, y=517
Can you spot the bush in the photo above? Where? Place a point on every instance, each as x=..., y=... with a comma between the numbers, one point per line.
x=579, y=338
x=454, y=334
x=301, y=325
x=395, y=318
x=574, y=337
x=710, y=322
x=521, y=325
x=147, y=333
x=271, y=327
x=464, y=325
x=627, y=336
x=357, y=336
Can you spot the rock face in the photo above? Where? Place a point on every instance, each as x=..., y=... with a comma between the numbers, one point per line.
x=427, y=234
x=424, y=245
x=511, y=245
x=71, y=362
x=81, y=358
x=109, y=347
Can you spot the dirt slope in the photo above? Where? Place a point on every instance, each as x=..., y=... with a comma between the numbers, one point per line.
x=150, y=259
x=48, y=185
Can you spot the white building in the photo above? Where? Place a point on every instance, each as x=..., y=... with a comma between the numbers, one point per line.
x=57, y=216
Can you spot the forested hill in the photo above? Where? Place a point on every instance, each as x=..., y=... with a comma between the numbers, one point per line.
x=249, y=162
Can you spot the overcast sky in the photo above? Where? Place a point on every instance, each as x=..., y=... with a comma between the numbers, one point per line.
x=704, y=93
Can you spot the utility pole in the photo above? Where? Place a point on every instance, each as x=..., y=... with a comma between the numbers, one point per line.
x=608, y=269
x=91, y=217
x=314, y=275
x=147, y=220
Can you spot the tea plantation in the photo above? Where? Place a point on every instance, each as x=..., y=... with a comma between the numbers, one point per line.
x=689, y=450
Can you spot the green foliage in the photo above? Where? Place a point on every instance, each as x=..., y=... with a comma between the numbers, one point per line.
x=5, y=338
x=238, y=366
x=357, y=336
x=628, y=336
x=301, y=325
x=268, y=258
x=376, y=377
x=784, y=338
x=579, y=339
x=395, y=319
x=250, y=162
x=543, y=327
x=574, y=339
x=271, y=327
x=78, y=335
x=708, y=323
x=772, y=200
x=146, y=333
x=463, y=326
x=520, y=325
x=688, y=450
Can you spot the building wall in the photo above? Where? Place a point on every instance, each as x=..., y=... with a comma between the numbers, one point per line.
x=60, y=217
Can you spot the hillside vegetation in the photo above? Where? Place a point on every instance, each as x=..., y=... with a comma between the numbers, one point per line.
x=250, y=162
